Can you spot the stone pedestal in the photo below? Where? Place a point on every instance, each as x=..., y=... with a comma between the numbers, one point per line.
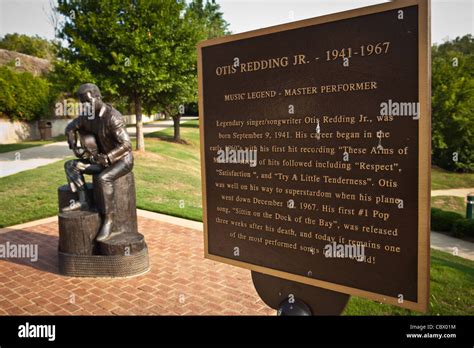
x=123, y=254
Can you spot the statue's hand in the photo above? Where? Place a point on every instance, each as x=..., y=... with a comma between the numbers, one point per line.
x=77, y=152
x=102, y=159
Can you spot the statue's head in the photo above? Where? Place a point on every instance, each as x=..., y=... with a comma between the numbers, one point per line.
x=90, y=93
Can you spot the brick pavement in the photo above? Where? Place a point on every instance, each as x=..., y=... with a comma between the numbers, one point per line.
x=180, y=282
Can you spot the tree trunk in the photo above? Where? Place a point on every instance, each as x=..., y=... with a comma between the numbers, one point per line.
x=177, y=135
x=66, y=196
x=123, y=244
x=77, y=232
x=138, y=115
x=124, y=207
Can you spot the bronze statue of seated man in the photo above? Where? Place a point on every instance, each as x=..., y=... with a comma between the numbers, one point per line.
x=106, y=151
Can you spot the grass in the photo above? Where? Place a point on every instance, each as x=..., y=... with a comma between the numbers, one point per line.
x=442, y=179
x=451, y=292
x=31, y=194
x=168, y=180
x=449, y=203
x=23, y=145
x=27, y=144
x=168, y=174
x=144, y=123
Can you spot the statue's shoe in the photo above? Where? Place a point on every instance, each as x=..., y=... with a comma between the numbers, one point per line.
x=76, y=206
x=105, y=230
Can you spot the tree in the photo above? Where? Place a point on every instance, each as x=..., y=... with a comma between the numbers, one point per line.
x=67, y=77
x=173, y=102
x=211, y=17
x=31, y=45
x=453, y=104
x=210, y=23
x=140, y=49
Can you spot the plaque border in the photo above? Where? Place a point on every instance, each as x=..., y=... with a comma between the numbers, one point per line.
x=424, y=152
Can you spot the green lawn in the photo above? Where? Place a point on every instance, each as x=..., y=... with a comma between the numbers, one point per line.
x=31, y=194
x=168, y=174
x=449, y=203
x=27, y=144
x=451, y=292
x=168, y=180
x=442, y=180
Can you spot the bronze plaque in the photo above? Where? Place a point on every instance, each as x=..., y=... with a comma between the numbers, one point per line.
x=315, y=140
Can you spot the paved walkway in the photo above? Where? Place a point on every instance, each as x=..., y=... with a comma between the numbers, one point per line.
x=460, y=192
x=151, y=127
x=180, y=281
x=17, y=161
x=455, y=246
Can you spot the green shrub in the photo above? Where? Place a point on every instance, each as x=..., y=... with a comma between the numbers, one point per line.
x=23, y=96
x=464, y=228
x=443, y=221
x=32, y=45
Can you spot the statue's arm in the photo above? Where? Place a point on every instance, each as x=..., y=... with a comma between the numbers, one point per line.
x=121, y=137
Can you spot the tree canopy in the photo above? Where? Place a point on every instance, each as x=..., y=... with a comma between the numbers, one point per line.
x=453, y=104
x=144, y=50
x=209, y=14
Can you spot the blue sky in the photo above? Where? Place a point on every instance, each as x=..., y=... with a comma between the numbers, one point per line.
x=450, y=18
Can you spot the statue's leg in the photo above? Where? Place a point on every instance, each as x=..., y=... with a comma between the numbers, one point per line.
x=74, y=175
x=75, y=170
x=106, y=179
